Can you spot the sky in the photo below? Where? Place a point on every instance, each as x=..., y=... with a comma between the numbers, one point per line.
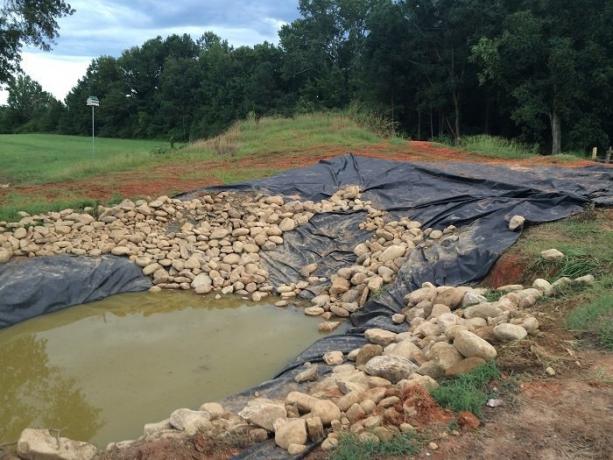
x=107, y=27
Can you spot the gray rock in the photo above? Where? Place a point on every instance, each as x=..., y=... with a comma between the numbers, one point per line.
x=263, y=412
x=392, y=368
x=37, y=444
x=308, y=375
x=190, y=421
x=202, y=284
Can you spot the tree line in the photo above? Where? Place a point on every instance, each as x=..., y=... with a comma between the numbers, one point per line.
x=537, y=70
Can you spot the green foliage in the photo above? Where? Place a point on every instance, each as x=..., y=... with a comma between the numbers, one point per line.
x=493, y=295
x=538, y=71
x=351, y=448
x=497, y=147
x=595, y=318
x=467, y=392
x=27, y=22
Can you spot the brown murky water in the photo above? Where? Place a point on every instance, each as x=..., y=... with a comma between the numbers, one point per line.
x=99, y=372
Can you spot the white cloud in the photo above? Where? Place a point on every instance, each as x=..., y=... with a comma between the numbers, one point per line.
x=56, y=74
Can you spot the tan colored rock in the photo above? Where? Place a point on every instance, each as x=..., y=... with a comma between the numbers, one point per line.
x=471, y=345
x=290, y=431
x=392, y=252
x=315, y=429
x=464, y=366
x=552, y=255
x=380, y=336
x=392, y=368
x=5, y=255
x=120, y=251
x=190, y=421
x=333, y=358
x=35, y=444
x=516, y=222
x=263, y=412
x=507, y=332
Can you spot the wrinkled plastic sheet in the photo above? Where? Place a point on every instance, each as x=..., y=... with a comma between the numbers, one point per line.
x=32, y=287
x=478, y=199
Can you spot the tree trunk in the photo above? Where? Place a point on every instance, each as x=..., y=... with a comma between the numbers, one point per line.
x=431, y=124
x=556, y=133
x=419, y=124
x=486, y=122
x=456, y=110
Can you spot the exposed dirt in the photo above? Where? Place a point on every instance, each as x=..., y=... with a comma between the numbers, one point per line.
x=552, y=418
x=170, y=179
x=197, y=447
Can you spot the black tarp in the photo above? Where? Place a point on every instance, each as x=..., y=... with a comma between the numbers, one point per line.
x=478, y=199
x=31, y=287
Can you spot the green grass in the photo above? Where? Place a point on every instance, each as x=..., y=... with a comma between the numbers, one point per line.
x=500, y=147
x=44, y=158
x=585, y=239
x=587, y=243
x=596, y=319
x=351, y=448
x=56, y=160
x=467, y=392
x=316, y=132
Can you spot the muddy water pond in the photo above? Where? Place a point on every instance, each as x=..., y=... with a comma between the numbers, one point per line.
x=99, y=372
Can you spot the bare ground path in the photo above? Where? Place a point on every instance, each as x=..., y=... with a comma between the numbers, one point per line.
x=175, y=178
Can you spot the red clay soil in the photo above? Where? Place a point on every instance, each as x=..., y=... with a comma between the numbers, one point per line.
x=510, y=268
x=171, y=179
x=552, y=418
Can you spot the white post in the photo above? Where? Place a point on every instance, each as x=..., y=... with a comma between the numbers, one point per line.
x=93, y=135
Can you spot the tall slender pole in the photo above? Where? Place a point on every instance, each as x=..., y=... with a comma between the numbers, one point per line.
x=93, y=136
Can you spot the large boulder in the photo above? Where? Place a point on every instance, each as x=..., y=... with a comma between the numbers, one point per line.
x=190, y=421
x=380, y=336
x=406, y=349
x=470, y=345
x=392, y=252
x=37, y=444
x=290, y=431
x=392, y=368
x=202, y=284
x=507, y=332
x=5, y=255
x=483, y=310
x=452, y=297
x=263, y=412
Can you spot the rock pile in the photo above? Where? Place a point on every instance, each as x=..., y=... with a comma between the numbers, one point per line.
x=212, y=244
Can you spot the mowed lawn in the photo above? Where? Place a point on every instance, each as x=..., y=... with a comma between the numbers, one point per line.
x=45, y=172
x=44, y=158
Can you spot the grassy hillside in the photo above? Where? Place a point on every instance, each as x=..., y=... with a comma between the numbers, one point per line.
x=41, y=158
x=40, y=172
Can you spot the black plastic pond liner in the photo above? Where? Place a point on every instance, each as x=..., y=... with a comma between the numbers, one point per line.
x=478, y=199
x=32, y=287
